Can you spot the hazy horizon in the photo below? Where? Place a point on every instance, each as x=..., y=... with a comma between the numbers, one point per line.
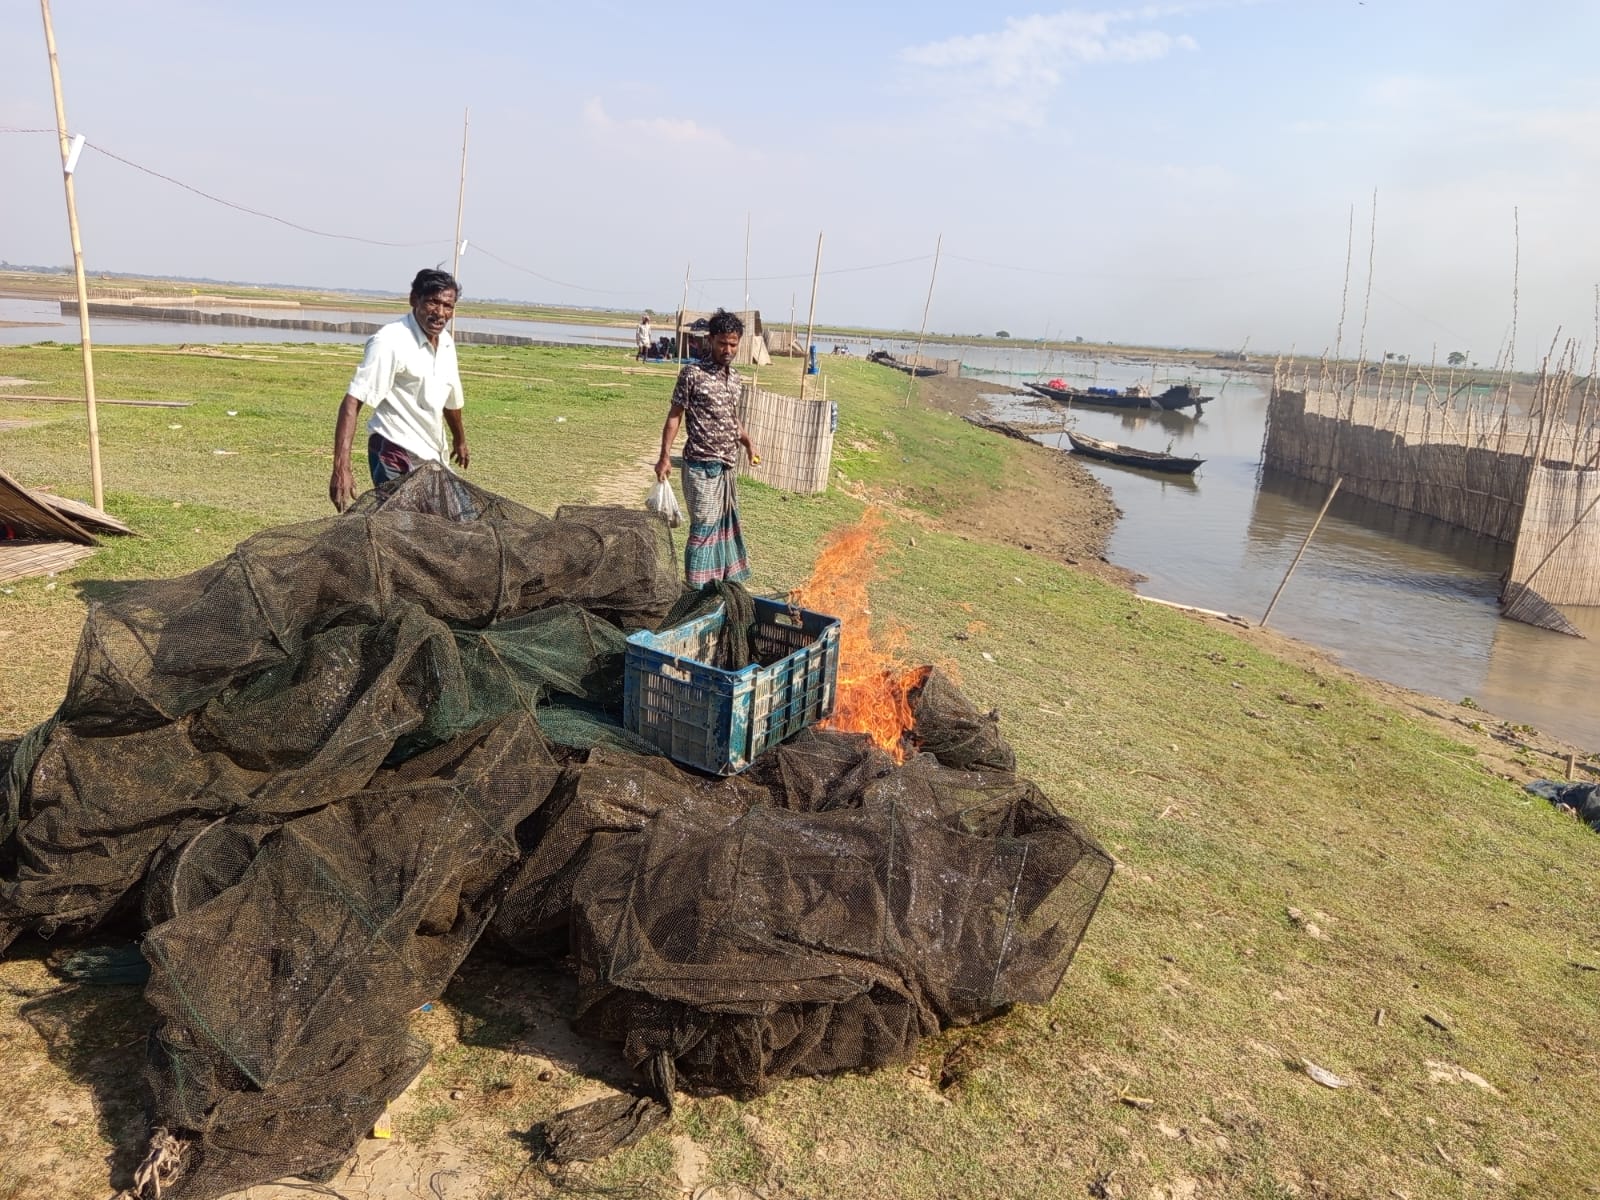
x=1179, y=174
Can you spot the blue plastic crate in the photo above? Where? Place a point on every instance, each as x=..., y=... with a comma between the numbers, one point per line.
x=721, y=721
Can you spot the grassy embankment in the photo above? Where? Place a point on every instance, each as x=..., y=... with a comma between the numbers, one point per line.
x=1442, y=921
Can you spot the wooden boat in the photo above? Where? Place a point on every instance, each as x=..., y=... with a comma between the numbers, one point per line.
x=885, y=359
x=1094, y=397
x=1182, y=395
x=1132, y=456
x=1179, y=395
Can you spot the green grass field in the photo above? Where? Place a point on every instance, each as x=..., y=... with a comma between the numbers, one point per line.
x=1305, y=874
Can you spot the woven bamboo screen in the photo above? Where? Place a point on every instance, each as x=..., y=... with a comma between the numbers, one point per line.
x=1441, y=465
x=19, y=560
x=794, y=438
x=1558, y=547
x=25, y=515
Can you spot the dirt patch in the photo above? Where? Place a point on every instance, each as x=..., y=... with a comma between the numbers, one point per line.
x=1051, y=505
x=627, y=485
x=15, y=381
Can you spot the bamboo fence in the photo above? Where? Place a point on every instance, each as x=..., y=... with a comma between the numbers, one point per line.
x=794, y=438
x=1558, y=547
x=1515, y=461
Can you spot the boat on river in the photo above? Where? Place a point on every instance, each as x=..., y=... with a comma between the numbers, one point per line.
x=1132, y=456
x=1182, y=395
x=1175, y=397
x=884, y=359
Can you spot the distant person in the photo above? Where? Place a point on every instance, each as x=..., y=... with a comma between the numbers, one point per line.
x=410, y=379
x=708, y=394
x=641, y=337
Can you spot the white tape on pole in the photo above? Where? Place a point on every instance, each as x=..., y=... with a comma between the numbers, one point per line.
x=73, y=152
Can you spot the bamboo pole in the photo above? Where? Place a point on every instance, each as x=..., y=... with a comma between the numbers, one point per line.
x=461, y=202
x=1344, y=296
x=747, y=265
x=811, y=319
x=85, y=345
x=923, y=332
x=682, y=308
x=1580, y=425
x=1516, y=290
x=1311, y=533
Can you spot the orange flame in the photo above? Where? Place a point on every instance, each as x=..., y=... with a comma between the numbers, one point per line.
x=874, y=683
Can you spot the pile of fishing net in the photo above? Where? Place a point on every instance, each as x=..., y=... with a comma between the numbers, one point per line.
x=319, y=771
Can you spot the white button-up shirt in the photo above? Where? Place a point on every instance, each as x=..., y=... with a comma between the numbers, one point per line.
x=409, y=384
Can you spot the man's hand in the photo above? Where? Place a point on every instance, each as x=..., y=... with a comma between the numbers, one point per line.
x=663, y=468
x=342, y=487
x=461, y=456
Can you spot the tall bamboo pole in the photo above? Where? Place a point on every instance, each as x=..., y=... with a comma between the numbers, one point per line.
x=747, y=266
x=84, y=342
x=461, y=202
x=1310, y=533
x=682, y=308
x=926, y=305
x=1344, y=296
x=811, y=319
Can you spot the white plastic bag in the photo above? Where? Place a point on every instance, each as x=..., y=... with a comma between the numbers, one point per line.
x=661, y=500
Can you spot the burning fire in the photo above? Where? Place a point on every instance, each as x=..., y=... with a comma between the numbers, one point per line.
x=874, y=684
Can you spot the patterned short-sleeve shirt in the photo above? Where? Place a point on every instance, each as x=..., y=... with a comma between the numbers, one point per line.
x=709, y=397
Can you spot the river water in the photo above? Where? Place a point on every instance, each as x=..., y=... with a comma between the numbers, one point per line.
x=1392, y=594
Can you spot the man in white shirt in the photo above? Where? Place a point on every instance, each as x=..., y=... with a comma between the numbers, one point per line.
x=641, y=337
x=409, y=377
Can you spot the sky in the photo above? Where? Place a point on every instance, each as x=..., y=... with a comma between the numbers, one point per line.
x=1182, y=174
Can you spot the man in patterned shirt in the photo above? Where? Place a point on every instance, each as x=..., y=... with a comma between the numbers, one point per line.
x=708, y=394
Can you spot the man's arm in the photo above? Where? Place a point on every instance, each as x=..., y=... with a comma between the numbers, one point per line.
x=669, y=433
x=342, y=487
x=458, y=437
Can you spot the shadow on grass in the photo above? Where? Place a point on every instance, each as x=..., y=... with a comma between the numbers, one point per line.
x=96, y=1034
x=90, y=590
x=509, y=1004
